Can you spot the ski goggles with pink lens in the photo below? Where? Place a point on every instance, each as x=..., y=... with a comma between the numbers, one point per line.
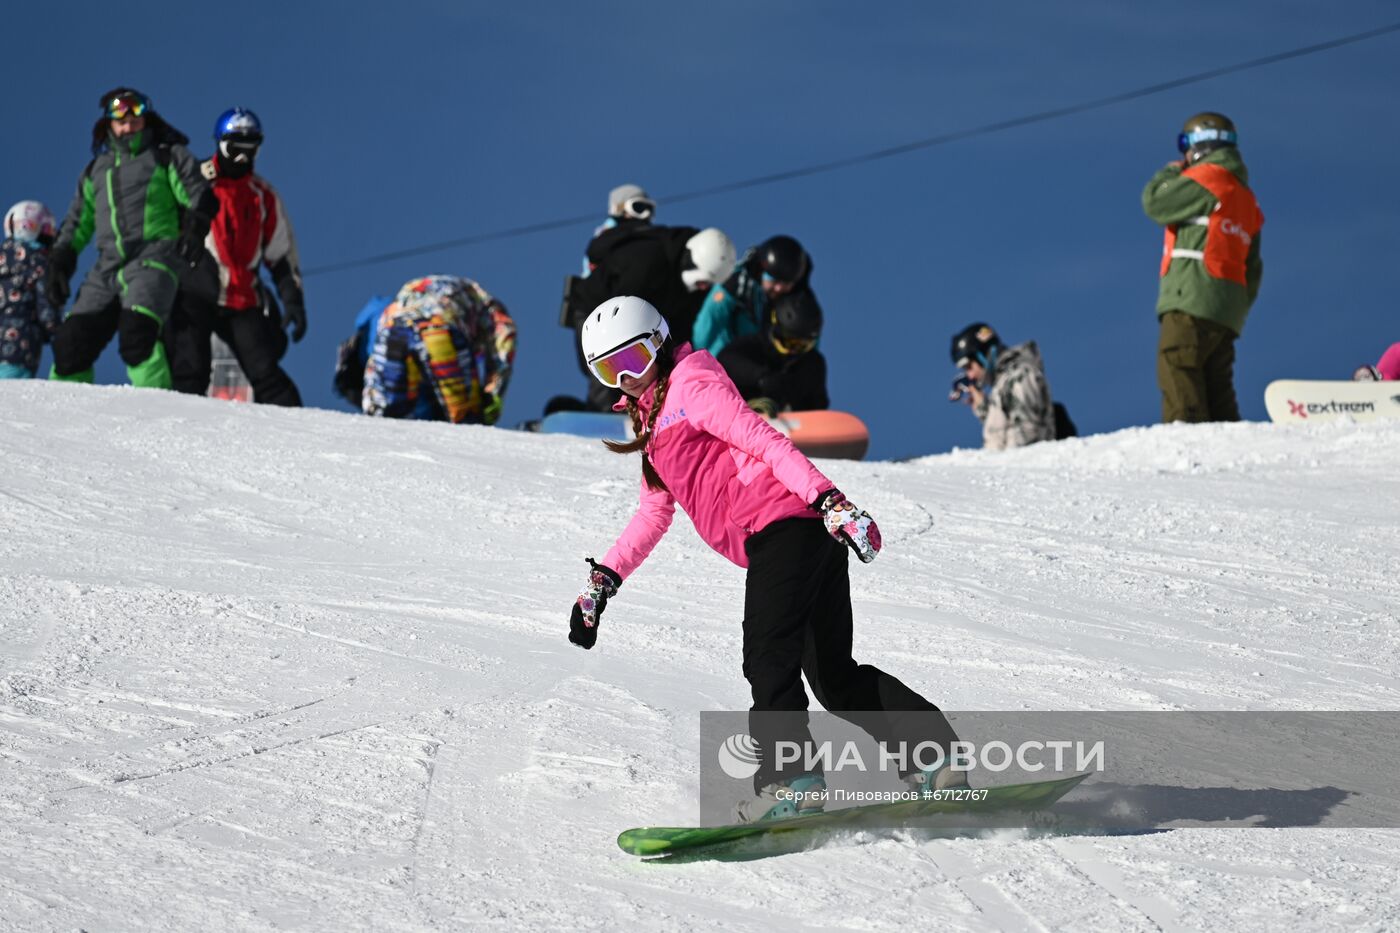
x=634, y=358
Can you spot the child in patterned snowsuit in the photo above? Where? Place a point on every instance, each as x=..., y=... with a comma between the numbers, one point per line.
x=27, y=320
x=449, y=332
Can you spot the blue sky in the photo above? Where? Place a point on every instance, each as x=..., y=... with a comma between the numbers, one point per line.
x=392, y=125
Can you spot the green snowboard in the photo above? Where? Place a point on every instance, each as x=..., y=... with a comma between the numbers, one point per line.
x=666, y=840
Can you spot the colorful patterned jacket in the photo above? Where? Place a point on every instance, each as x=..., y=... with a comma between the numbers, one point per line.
x=447, y=331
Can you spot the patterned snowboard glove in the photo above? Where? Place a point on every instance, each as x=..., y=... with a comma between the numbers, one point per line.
x=592, y=600
x=851, y=526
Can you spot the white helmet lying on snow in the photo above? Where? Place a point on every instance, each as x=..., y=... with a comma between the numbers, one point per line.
x=711, y=257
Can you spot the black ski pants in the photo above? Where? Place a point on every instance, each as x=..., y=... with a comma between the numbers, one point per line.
x=257, y=340
x=81, y=338
x=797, y=620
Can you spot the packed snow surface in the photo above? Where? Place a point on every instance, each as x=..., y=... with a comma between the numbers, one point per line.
x=266, y=669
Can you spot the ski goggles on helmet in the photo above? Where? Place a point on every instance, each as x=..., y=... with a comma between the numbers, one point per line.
x=1185, y=141
x=638, y=208
x=792, y=346
x=239, y=148
x=692, y=275
x=634, y=358
x=771, y=279
x=125, y=106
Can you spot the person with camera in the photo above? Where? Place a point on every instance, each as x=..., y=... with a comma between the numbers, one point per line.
x=1005, y=387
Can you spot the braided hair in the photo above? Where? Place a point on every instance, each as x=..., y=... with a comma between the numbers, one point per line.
x=641, y=439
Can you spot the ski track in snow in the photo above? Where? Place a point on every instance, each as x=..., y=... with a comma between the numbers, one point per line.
x=266, y=670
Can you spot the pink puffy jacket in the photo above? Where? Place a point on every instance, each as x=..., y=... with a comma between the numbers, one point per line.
x=727, y=467
x=1389, y=366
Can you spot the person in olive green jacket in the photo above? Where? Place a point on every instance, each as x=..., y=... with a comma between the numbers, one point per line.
x=1210, y=269
x=138, y=200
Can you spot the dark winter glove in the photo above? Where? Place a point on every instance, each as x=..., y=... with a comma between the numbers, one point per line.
x=62, y=262
x=191, y=243
x=592, y=599
x=194, y=227
x=491, y=408
x=294, y=314
x=851, y=526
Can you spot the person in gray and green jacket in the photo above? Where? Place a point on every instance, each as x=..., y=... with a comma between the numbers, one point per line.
x=1210, y=269
x=139, y=200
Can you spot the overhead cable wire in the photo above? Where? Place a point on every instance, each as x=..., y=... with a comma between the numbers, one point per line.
x=930, y=142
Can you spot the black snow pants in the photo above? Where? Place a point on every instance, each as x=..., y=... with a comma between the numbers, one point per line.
x=257, y=340
x=797, y=620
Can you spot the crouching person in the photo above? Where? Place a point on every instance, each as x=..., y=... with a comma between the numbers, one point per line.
x=443, y=351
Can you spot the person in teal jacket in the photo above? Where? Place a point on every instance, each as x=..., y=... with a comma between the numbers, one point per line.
x=740, y=304
x=135, y=200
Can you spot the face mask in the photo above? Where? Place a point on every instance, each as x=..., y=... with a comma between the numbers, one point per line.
x=236, y=155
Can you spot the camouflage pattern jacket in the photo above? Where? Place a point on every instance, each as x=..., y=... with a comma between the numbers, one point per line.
x=1016, y=409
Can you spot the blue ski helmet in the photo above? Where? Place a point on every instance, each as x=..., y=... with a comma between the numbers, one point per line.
x=238, y=122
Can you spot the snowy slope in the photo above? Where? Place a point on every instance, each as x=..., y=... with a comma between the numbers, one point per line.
x=264, y=669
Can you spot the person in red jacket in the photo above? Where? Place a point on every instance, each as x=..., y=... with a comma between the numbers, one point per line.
x=224, y=294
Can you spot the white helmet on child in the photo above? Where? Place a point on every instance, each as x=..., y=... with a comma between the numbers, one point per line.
x=30, y=220
x=621, y=337
x=711, y=257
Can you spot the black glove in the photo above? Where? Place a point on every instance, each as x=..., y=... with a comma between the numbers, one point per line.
x=294, y=313
x=190, y=246
x=592, y=600
x=194, y=227
x=62, y=262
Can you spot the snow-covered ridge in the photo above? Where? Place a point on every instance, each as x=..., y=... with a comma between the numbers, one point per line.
x=264, y=669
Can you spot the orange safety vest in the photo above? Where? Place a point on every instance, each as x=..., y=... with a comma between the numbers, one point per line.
x=1230, y=228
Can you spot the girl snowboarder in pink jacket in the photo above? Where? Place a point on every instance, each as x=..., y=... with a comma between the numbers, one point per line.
x=757, y=500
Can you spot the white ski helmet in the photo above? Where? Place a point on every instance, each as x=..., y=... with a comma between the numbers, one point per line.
x=712, y=258
x=30, y=220
x=630, y=201
x=618, y=322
